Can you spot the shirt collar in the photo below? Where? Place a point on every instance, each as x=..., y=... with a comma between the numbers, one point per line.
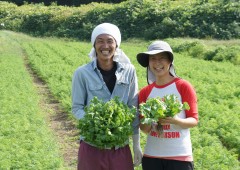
x=119, y=65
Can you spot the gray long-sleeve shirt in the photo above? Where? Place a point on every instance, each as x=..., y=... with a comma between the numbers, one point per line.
x=88, y=82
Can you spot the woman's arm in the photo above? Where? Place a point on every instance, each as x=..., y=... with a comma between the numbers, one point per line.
x=184, y=123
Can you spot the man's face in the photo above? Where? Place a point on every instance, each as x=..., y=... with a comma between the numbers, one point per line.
x=105, y=46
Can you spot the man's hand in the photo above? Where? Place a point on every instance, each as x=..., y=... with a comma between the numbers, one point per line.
x=137, y=150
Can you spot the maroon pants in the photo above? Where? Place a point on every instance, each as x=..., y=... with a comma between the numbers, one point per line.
x=92, y=158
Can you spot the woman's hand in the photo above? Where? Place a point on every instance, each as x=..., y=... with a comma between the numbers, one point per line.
x=145, y=128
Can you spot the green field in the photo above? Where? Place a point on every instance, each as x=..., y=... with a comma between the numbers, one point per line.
x=27, y=142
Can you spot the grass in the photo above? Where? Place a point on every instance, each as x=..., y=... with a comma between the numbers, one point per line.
x=215, y=141
x=26, y=140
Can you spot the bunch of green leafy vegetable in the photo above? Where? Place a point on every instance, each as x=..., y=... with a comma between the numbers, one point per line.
x=107, y=124
x=158, y=108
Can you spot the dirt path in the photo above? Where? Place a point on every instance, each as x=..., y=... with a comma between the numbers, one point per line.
x=63, y=128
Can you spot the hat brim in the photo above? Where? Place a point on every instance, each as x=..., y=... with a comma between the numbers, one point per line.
x=143, y=58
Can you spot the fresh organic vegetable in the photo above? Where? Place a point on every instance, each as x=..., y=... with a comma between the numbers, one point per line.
x=152, y=110
x=174, y=106
x=107, y=124
x=157, y=108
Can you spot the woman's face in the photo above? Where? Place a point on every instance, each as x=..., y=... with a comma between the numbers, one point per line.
x=159, y=64
x=105, y=46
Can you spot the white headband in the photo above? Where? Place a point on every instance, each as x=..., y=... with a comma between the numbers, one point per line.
x=106, y=28
x=113, y=30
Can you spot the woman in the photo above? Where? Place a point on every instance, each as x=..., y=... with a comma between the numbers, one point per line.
x=173, y=149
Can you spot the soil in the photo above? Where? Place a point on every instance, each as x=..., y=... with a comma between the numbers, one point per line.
x=63, y=127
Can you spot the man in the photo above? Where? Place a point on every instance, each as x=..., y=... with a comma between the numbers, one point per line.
x=109, y=74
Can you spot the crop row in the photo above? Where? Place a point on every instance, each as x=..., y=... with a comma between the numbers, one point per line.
x=26, y=141
x=215, y=141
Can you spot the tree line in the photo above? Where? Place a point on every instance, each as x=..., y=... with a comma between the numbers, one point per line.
x=62, y=2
